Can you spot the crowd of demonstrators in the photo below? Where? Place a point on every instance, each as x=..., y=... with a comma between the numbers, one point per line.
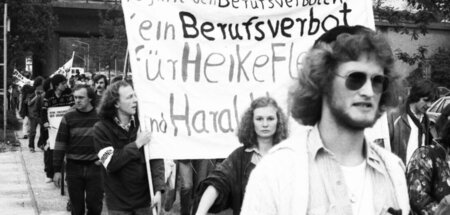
x=262, y=126
x=75, y=142
x=326, y=165
x=409, y=126
x=120, y=149
x=428, y=172
x=77, y=78
x=329, y=168
x=59, y=96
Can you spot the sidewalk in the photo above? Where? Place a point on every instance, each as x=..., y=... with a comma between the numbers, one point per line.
x=23, y=190
x=22, y=184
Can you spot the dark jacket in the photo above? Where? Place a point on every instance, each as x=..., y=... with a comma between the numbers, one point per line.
x=125, y=174
x=34, y=106
x=400, y=130
x=230, y=179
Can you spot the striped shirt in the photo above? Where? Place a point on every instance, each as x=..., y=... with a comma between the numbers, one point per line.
x=75, y=138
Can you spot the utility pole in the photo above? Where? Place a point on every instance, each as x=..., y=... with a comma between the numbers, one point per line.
x=5, y=90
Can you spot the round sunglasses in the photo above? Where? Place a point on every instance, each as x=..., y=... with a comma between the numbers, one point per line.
x=355, y=80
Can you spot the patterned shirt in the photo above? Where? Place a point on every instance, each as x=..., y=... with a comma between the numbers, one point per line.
x=51, y=100
x=329, y=193
x=428, y=178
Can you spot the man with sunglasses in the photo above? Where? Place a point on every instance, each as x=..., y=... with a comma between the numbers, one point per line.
x=409, y=126
x=327, y=165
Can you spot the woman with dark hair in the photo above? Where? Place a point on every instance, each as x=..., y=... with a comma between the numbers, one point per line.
x=428, y=173
x=263, y=125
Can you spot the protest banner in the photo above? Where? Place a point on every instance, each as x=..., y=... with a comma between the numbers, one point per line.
x=20, y=79
x=55, y=115
x=197, y=64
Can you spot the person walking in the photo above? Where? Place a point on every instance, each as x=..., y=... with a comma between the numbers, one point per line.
x=327, y=166
x=119, y=147
x=428, y=172
x=59, y=96
x=75, y=141
x=409, y=126
x=262, y=126
x=100, y=85
x=34, y=102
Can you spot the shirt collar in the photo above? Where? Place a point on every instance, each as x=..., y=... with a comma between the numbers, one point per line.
x=316, y=148
x=256, y=154
x=126, y=127
x=253, y=149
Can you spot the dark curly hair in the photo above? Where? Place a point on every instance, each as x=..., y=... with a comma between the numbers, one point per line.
x=322, y=61
x=423, y=88
x=246, y=132
x=107, y=109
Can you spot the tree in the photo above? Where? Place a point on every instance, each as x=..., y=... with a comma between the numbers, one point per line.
x=440, y=8
x=440, y=65
x=112, y=44
x=32, y=26
x=427, y=11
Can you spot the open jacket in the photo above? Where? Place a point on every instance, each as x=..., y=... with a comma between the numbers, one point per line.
x=400, y=130
x=279, y=184
x=230, y=179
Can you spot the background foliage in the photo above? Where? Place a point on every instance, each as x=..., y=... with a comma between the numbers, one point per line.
x=425, y=12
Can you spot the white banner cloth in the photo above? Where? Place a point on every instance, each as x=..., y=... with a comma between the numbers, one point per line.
x=55, y=115
x=197, y=64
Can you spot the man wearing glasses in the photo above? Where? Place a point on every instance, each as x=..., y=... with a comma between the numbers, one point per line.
x=327, y=166
x=409, y=126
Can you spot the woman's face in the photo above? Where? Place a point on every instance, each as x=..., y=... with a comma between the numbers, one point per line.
x=265, y=121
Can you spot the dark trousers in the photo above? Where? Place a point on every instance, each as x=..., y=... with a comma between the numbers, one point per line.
x=43, y=137
x=34, y=122
x=85, y=186
x=192, y=172
x=48, y=163
x=139, y=211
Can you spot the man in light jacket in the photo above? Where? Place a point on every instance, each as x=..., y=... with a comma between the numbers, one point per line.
x=327, y=166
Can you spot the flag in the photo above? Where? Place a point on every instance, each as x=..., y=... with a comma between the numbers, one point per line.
x=69, y=63
x=65, y=69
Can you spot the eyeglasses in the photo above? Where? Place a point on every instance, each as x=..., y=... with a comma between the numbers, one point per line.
x=356, y=80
